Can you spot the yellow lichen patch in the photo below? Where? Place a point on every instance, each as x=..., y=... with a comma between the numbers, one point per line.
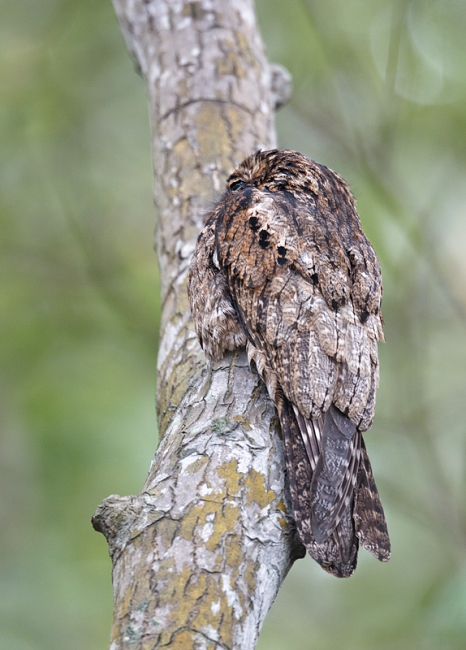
x=193, y=9
x=177, y=384
x=214, y=140
x=130, y=600
x=245, y=49
x=226, y=624
x=226, y=628
x=197, y=516
x=244, y=423
x=282, y=520
x=281, y=506
x=257, y=489
x=213, y=610
x=223, y=516
x=183, y=154
x=172, y=600
x=189, y=523
x=183, y=158
x=233, y=551
x=235, y=118
x=196, y=588
x=215, y=602
x=185, y=640
x=233, y=479
x=198, y=464
x=171, y=581
x=163, y=533
x=230, y=64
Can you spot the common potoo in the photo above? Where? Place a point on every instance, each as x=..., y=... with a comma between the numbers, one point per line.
x=283, y=268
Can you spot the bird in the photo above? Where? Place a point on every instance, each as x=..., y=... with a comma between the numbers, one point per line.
x=283, y=269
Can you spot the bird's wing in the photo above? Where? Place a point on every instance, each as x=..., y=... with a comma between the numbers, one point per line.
x=307, y=290
x=306, y=286
x=214, y=315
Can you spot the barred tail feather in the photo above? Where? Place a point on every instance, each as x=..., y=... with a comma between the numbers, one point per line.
x=369, y=517
x=337, y=554
x=335, y=474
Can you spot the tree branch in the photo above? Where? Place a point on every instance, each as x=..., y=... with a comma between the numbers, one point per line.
x=199, y=555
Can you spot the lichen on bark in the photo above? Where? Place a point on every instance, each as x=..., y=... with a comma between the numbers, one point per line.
x=199, y=555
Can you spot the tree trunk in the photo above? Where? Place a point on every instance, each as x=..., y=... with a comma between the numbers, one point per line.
x=199, y=555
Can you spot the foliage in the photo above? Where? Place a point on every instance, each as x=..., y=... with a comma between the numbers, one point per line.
x=79, y=314
x=380, y=94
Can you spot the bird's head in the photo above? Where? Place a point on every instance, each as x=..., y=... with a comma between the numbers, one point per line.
x=280, y=170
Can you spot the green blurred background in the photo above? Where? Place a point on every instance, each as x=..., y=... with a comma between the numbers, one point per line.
x=380, y=96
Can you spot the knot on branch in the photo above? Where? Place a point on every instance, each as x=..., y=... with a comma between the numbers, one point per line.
x=120, y=519
x=281, y=85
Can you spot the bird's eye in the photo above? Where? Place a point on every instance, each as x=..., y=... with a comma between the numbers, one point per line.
x=237, y=185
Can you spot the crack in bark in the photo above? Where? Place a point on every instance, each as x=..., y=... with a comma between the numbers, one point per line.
x=200, y=100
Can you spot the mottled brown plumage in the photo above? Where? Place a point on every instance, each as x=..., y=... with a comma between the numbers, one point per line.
x=283, y=268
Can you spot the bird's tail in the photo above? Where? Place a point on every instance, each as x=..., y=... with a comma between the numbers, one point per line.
x=335, y=501
x=368, y=515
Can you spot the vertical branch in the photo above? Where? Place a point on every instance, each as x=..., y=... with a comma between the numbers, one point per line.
x=199, y=555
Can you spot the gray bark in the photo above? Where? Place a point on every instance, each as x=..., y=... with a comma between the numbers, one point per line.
x=199, y=555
